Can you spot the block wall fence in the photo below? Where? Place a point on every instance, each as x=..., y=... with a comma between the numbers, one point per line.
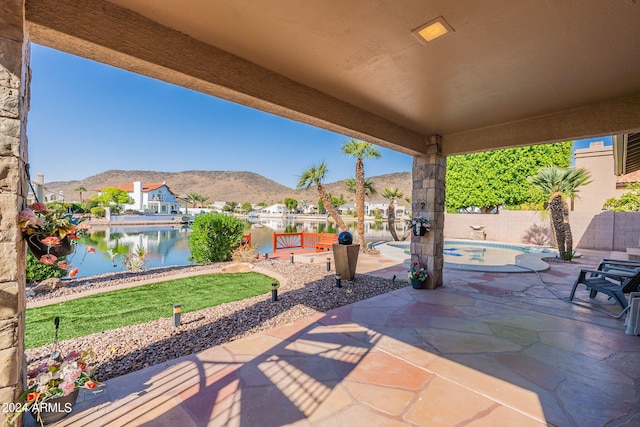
x=606, y=231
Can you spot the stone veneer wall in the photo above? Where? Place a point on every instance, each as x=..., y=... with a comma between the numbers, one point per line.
x=14, y=104
x=605, y=231
x=428, y=195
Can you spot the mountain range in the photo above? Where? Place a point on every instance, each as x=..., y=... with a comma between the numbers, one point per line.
x=228, y=186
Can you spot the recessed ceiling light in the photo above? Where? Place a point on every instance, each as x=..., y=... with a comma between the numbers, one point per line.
x=432, y=30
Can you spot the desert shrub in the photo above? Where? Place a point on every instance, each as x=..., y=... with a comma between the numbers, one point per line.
x=37, y=271
x=245, y=253
x=214, y=237
x=98, y=212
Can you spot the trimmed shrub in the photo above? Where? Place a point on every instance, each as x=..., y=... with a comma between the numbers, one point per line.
x=37, y=271
x=214, y=237
x=98, y=212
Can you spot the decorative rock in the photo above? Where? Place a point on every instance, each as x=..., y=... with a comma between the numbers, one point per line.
x=53, y=282
x=240, y=267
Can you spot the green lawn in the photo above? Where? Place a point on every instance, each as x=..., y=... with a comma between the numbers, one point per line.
x=115, y=309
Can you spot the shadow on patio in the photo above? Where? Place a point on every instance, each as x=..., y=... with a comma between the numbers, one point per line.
x=486, y=349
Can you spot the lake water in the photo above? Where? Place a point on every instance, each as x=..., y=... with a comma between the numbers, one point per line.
x=168, y=245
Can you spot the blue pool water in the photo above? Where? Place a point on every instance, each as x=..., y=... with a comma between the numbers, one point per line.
x=474, y=252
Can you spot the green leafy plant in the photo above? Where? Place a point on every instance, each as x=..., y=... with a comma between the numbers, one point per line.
x=98, y=212
x=214, y=237
x=628, y=202
x=37, y=271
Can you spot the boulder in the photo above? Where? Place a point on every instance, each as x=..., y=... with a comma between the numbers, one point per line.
x=48, y=285
x=238, y=267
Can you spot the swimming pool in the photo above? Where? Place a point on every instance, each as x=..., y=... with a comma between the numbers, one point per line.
x=483, y=255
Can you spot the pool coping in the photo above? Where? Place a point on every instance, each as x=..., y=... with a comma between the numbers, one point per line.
x=525, y=263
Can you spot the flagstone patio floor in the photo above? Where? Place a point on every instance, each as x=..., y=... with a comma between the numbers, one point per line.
x=486, y=349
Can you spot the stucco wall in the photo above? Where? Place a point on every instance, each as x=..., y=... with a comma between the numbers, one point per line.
x=605, y=231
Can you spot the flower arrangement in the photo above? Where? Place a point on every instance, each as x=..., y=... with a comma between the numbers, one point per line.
x=51, y=234
x=420, y=221
x=57, y=377
x=418, y=273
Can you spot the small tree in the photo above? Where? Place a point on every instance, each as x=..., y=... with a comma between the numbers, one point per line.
x=214, y=237
x=114, y=197
x=230, y=207
x=291, y=204
x=628, y=202
x=558, y=185
x=246, y=207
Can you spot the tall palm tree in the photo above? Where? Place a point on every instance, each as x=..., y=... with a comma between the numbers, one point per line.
x=392, y=194
x=315, y=175
x=360, y=150
x=560, y=184
x=80, y=189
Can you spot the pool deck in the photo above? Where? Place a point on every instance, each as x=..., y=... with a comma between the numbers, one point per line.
x=485, y=349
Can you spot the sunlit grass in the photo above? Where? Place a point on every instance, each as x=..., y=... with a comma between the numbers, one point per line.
x=115, y=309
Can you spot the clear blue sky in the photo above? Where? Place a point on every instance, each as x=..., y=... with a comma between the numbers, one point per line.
x=88, y=117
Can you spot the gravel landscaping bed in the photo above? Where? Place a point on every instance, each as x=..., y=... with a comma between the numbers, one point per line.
x=310, y=289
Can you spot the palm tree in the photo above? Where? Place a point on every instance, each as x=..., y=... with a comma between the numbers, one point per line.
x=369, y=190
x=315, y=175
x=559, y=184
x=392, y=194
x=202, y=200
x=80, y=189
x=360, y=150
x=193, y=198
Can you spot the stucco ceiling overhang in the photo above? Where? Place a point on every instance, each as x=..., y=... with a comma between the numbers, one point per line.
x=511, y=73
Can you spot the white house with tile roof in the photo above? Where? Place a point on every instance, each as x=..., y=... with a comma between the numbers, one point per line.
x=151, y=198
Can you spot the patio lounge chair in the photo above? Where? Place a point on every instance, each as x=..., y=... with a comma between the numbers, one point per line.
x=623, y=267
x=613, y=284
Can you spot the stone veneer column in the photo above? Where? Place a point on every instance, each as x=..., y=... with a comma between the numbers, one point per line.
x=428, y=201
x=14, y=104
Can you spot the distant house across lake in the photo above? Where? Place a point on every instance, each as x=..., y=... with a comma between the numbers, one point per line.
x=151, y=198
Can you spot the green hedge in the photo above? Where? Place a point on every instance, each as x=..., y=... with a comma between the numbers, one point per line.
x=214, y=237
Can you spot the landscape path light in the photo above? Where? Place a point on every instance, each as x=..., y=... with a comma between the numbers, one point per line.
x=177, y=309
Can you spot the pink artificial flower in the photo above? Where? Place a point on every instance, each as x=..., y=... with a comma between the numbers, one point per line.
x=64, y=265
x=91, y=249
x=82, y=227
x=73, y=375
x=51, y=241
x=73, y=272
x=26, y=215
x=48, y=259
x=39, y=207
x=67, y=387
